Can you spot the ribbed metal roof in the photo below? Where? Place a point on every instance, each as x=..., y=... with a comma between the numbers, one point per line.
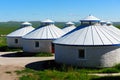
x=45, y=32
x=69, y=26
x=91, y=35
x=21, y=31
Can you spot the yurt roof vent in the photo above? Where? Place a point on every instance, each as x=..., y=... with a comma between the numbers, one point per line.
x=103, y=22
x=69, y=23
x=90, y=20
x=109, y=23
x=25, y=24
x=47, y=22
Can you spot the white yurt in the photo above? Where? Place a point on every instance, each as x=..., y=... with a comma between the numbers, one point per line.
x=69, y=26
x=14, y=39
x=89, y=45
x=103, y=22
x=40, y=40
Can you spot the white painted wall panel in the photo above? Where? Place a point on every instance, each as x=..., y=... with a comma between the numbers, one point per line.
x=101, y=56
x=11, y=42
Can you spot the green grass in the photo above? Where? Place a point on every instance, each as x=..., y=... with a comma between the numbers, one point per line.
x=4, y=47
x=109, y=70
x=53, y=75
x=64, y=72
x=3, y=41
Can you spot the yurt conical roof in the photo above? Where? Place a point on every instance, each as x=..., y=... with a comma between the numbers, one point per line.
x=88, y=35
x=25, y=28
x=69, y=26
x=49, y=31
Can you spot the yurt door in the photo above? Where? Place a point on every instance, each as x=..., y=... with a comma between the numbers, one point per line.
x=52, y=48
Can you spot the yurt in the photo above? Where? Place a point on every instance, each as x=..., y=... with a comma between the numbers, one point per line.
x=14, y=39
x=89, y=45
x=69, y=26
x=40, y=40
x=103, y=22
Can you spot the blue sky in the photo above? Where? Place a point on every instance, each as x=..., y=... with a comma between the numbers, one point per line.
x=58, y=10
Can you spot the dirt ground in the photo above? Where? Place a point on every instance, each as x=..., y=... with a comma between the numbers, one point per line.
x=8, y=65
x=7, y=72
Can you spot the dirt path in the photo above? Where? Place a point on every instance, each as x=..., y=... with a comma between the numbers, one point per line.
x=8, y=65
x=106, y=74
x=7, y=72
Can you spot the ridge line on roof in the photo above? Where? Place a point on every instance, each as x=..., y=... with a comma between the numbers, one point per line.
x=47, y=32
x=110, y=34
x=51, y=30
x=85, y=35
x=105, y=35
x=111, y=30
x=78, y=37
x=98, y=35
x=54, y=29
x=92, y=34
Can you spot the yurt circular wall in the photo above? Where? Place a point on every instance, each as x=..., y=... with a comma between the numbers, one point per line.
x=14, y=41
x=94, y=56
x=37, y=45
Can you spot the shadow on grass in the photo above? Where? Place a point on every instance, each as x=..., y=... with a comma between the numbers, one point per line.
x=19, y=54
x=41, y=65
x=50, y=65
x=108, y=78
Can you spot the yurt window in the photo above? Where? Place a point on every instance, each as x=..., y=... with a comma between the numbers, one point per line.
x=16, y=41
x=81, y=54
x=36, y=44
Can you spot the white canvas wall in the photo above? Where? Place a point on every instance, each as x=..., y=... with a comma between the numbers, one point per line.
x=44, y=46
x=104, y=56
x=11, y=42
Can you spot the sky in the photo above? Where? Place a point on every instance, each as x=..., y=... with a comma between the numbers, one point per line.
x=58, y=10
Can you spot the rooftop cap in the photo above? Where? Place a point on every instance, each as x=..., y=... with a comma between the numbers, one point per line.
x=70, y=23
x=26, y=23
x=90, y=18
x=47, y=21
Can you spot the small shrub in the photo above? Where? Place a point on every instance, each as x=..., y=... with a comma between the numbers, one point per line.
x=117, y=66
x=109, y=70
x=43, y=54
x=6, y=48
